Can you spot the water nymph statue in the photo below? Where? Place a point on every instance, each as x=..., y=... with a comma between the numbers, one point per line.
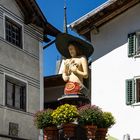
x=75, y=70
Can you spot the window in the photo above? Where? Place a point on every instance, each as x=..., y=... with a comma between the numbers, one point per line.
x=132, y=91
x=15, y=93
x=13, y=32
x=13, y=129
x=133, y=44
x=138, y=90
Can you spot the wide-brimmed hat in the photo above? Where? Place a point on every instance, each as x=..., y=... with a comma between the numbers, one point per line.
x=64, y=39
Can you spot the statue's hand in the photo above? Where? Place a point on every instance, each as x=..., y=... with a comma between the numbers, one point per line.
x=65, y=78
x=66, y=64
x=74, y=68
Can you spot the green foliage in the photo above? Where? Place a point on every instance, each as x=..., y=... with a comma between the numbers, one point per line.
x=106, y=120
x=43, y=119
x=89, y=114
x=64, y=114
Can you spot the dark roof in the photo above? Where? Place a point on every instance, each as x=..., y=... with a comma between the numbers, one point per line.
x=101, y=15
x=53, y=81
x=33, y=14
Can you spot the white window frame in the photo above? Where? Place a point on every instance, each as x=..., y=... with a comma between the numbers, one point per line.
x=19, y=79
x=16, y=21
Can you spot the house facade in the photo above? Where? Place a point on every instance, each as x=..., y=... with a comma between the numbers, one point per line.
x=114, y=30
x=22, y=28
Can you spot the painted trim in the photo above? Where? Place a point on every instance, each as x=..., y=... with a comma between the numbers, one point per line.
x=8, y=136
x=24, y=51
x=16, y=21
x=41, y=76
x=4, y=96
x=31, y=79
x=19, y=79
x=41, y=83
x=16, y=110
x=4, y=9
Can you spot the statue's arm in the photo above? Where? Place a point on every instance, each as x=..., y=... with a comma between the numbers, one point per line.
x=65, y=74
x=83, y=73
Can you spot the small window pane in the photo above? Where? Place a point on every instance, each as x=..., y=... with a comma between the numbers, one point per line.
x=13, y=32
x=17, y=97
x=9, y=94
x=23, y=98
x=15, y=93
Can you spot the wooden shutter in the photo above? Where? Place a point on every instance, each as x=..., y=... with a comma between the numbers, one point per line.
x=130, y=91
x=138, y=90
x=131, y=44
x=138, y=43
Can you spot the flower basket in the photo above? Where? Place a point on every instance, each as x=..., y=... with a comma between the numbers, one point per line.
x=69, y=130
x=44, y=120
x=50, y=133
x=89, y=114
x=105, y=121
x=65, y=114
x=101, y=133
x=90, y=131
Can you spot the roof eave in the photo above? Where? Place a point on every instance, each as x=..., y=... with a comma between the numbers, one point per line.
x=101, y=15
x=35, y=16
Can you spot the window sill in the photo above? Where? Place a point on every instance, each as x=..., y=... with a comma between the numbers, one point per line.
x=12, y=107
x=137, y=56
x=135, y=104
x=22, y=50
x=15, y=110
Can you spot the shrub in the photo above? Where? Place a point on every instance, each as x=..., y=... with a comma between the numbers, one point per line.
x=64, y=114
x=89, y=114
x=106, y=120
x=43, y=119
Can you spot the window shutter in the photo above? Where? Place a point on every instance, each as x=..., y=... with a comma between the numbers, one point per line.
x=131, y=44
x=138, y=90
x=130, y=91
x=138, y=43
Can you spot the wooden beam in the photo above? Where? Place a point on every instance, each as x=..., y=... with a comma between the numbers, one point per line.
x=104, y=16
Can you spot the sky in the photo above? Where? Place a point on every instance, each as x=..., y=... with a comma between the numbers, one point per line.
x=53, y=10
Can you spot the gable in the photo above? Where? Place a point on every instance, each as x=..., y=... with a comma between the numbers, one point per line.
x=11, y=6
x=30, y=13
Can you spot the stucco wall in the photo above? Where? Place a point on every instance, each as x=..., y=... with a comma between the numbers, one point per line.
x=30, y=34
x=16, y=59
x=24, y=120
x=111, y=67
x=12, y=6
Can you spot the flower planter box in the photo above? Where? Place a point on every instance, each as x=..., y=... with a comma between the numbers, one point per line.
x=91, y=131
x=50, y=133
x=101, y=133
x=69, y=130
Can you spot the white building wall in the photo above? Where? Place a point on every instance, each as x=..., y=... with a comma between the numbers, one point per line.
x=111, y=67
